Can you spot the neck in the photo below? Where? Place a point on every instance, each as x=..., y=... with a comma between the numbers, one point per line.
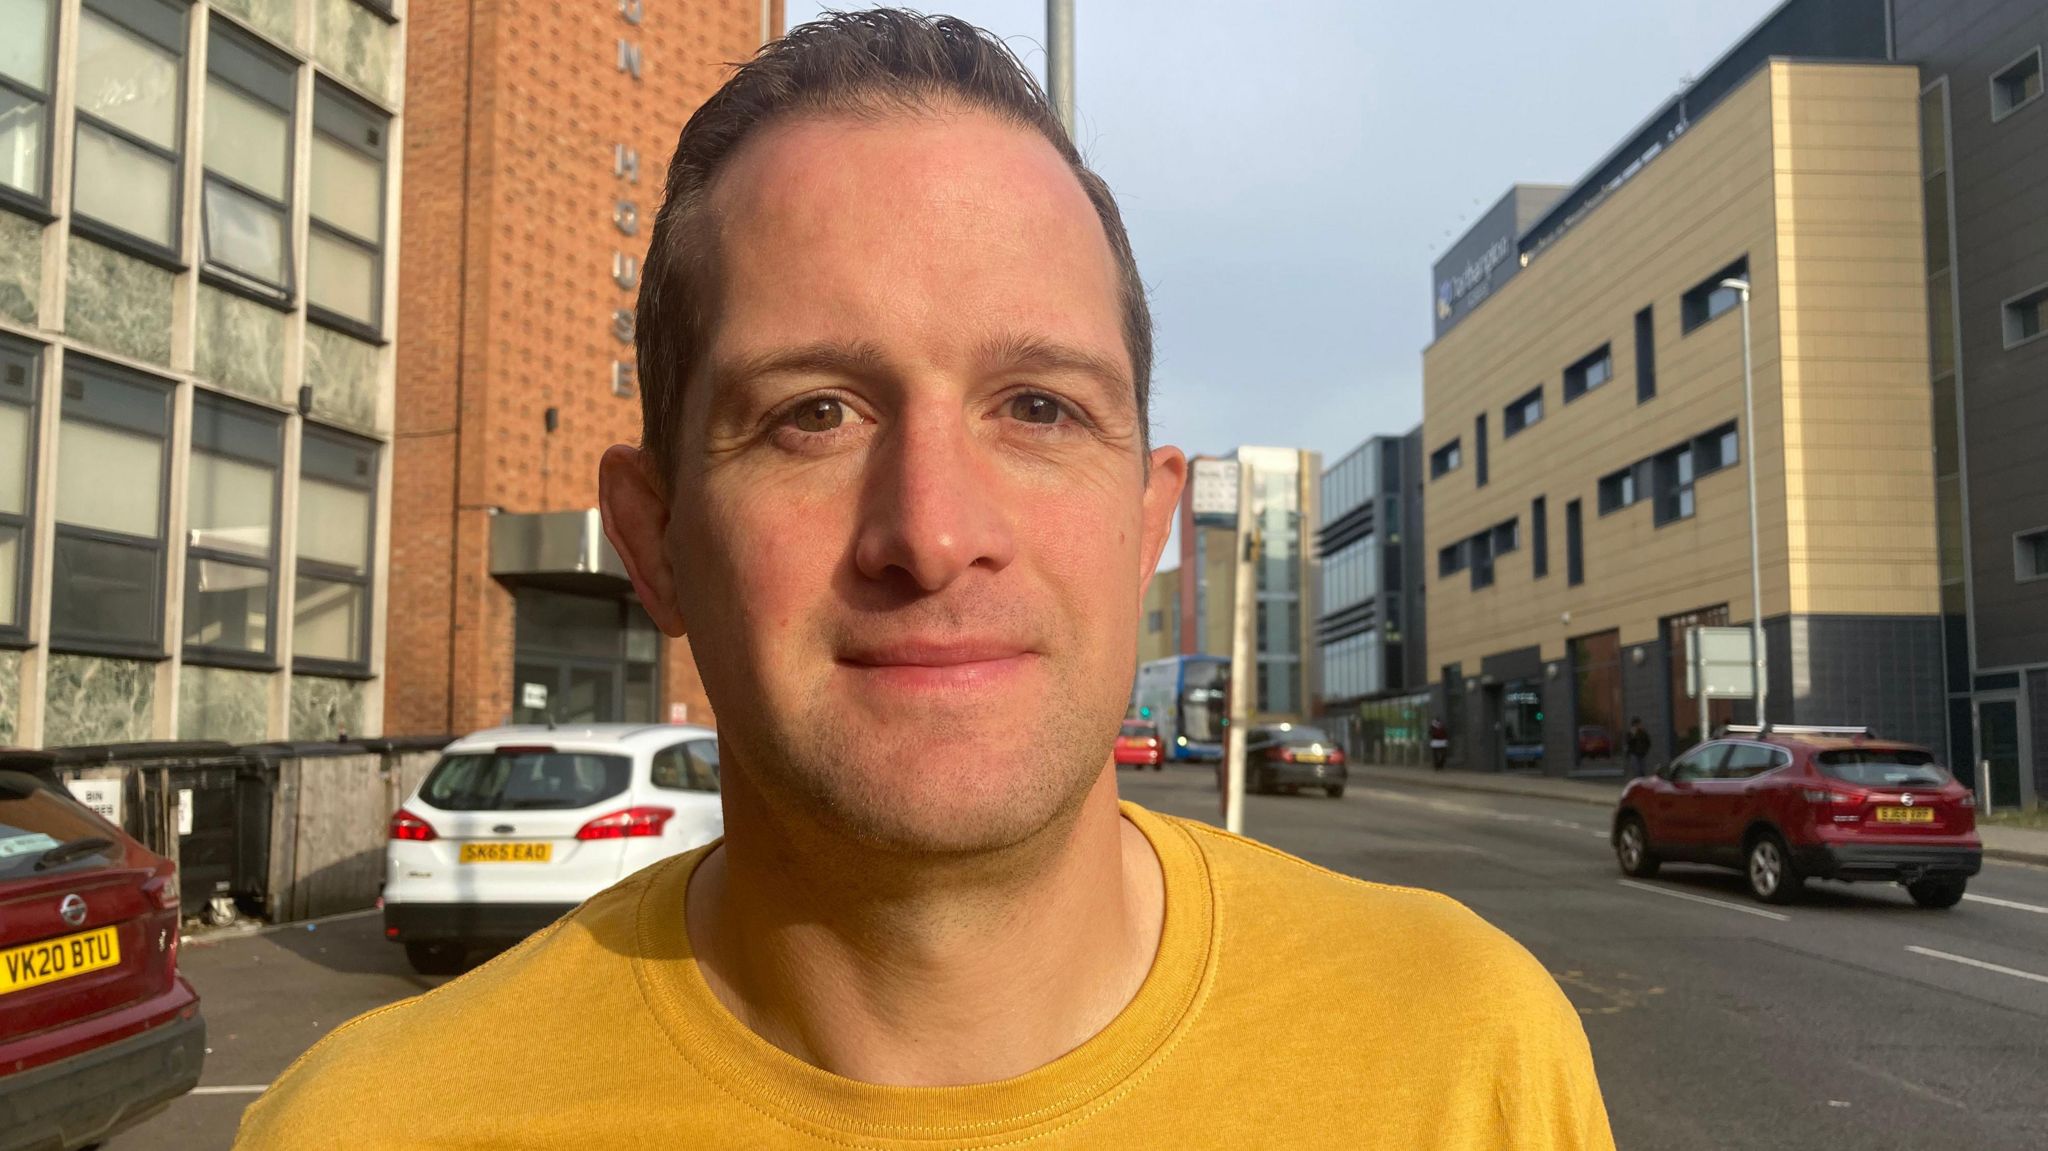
x=923, y=972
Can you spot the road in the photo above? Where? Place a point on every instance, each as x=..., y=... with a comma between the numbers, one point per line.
x=1851, y=1019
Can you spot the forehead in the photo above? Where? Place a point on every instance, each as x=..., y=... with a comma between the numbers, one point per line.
x=919, y=222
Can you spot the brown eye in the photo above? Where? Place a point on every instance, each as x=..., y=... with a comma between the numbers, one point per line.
x=819, y=415
x=1035, y=409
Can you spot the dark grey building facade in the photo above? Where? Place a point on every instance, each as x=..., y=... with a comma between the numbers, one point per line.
x=1985, y=164
x=1370, y=625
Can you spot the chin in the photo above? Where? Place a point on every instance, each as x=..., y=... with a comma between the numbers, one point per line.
x=951, y=796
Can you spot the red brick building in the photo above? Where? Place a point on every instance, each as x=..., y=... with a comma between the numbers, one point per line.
x=538, y=135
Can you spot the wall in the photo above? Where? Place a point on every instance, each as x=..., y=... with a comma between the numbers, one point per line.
x=1810, y=170
x=512, y=229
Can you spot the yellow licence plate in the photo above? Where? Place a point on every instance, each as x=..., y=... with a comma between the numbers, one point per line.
x=38, y=963
x=506, y=852
x=1309, y=757
x=1905, y=815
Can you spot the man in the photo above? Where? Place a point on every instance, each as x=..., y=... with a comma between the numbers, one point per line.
x=1439, y=743
x=1638, y=747
x=896, y=487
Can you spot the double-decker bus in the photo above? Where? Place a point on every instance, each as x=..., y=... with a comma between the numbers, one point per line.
x=1187, y=696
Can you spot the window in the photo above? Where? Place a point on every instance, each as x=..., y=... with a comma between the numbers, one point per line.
x=1700, y=763
x=2023, y=316
x=246, y=210
x=1539, y=535
x=113, y=434
x=1451, y=560
x=1749, y=760
x=25, y=59
x=1507, y=537
x=2017, y=86
x=1589, y=373
x=345, y=246
x=1479, y=446
x=1646, y=356
x=1574, y=545
x=2029, y=554
x=1480, y=551
x=1618, y=490
x=1672, y=473
x=1708, y=299
x=20, y=366
x=337, y=496
x=1522, y=413
x=1445, y=459
x=1155, y=622
x=691, y=766
x=125, y=182
x=231, y=531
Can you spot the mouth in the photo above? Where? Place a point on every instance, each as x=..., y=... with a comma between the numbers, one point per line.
x=943, y=665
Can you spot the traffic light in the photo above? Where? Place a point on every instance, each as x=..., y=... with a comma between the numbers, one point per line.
x=1144, y=713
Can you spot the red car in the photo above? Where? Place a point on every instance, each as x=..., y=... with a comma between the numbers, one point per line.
x=97, y=1028
x=1137, y=745
x=1793, y=804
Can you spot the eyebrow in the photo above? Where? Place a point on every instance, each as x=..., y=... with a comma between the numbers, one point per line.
x=858, y=358
x=1034, y=353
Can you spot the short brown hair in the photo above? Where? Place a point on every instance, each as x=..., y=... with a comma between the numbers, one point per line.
x=857, y=63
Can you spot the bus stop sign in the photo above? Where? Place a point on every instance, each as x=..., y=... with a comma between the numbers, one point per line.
x=1215, y=493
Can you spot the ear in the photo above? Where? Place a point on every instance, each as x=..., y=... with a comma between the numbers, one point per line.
x=1167, y=474
x=635, y=513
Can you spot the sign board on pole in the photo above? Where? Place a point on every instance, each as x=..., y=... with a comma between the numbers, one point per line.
x=184, y=811
x=679, y=712
x=533, y=696
x=1722, y=661
x=102, y=795
x=1214, y=497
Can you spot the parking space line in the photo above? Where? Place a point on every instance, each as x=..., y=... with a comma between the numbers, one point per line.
x=240, y=1089
x=2014, y=904
x=1967, y=961
x=1691, y=898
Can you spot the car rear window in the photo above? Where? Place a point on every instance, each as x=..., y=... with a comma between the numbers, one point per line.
x=1139, y=730
x=35, y=817
x=1300, y=734
x=524, y=780
x=1883, y=767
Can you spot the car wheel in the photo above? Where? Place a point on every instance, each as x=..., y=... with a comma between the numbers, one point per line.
x=1158, y=765
x=1936, y=894
x=1769, y=868
x=436, y=958
x=1632, y=849
x=1334, y=791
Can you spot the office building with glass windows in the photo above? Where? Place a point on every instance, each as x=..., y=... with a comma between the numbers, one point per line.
x=196, y=367
x=1285, y=483
x=1587, y=501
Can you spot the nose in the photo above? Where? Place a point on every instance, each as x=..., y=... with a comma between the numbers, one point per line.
x=932, y=507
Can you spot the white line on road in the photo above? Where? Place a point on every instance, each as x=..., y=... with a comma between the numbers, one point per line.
x=1966, y=960
x=1688, y=896
x=241, y=1089
x=2016, y=906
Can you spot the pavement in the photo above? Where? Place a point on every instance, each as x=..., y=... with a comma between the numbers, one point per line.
x=1849, y=1019
x=2017, y=844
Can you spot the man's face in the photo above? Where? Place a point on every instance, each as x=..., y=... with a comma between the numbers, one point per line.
x=910, y=521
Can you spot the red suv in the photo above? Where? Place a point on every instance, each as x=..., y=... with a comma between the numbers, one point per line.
x=1793, y=804
x=97, y=1028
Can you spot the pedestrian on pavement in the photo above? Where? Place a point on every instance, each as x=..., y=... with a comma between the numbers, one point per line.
x=896, y=486
x=1638, y=747
x=1439, y=743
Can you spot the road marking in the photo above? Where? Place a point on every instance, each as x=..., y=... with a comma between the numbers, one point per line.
x=1967, y=961
x=243, y=1089
x=1601, y=834
x=1691, y=898
x=2016, y=906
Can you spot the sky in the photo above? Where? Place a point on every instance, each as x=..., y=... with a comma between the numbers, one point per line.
x=1290, y=171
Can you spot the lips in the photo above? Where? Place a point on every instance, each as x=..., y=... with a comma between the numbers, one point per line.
x=939, y=665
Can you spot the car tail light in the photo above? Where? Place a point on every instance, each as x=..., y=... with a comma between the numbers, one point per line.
x=1336, y=756
x=1968, y=800
x=632, y=823
x=1151, y=743
x=162, y=888
x=406, y=825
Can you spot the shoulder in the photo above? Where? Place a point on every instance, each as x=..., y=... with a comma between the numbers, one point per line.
x=481, y=1035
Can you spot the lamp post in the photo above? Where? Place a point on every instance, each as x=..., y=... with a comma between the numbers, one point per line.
x=1756, y=578
x=1059, y=60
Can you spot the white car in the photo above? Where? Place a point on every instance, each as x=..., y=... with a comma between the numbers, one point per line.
x=517, y=825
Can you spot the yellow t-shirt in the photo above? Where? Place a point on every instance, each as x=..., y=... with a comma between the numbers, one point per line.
x=1288, y=1007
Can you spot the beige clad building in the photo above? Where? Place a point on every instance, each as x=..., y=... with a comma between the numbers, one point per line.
x=1585, y=488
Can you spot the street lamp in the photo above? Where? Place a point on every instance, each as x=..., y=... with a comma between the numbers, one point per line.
x=1756, y=578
